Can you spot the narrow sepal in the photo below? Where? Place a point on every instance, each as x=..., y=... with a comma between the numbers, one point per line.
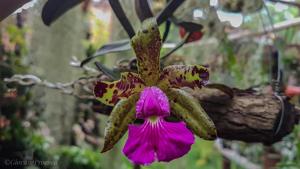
x=186, y=107
x=121, y=116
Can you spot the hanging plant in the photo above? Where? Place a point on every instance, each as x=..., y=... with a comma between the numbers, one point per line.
x=153, y=96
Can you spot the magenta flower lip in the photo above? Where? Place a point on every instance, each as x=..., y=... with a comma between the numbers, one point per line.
x=156, y=138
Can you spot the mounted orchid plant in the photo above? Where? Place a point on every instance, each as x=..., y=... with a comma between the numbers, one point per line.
x=170, y=116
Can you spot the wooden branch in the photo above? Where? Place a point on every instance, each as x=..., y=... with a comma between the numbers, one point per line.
x=291, y=3
x=249, y=116
x=277, y=27
x=249, y=34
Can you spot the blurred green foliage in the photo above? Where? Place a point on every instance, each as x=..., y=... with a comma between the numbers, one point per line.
x=72, y=157
x=291, y=151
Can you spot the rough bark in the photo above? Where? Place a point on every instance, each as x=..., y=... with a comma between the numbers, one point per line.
x=249, y=116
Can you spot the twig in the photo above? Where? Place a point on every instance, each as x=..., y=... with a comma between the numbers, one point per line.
x=66, y=88
x=249, y=34
x=296, y=4
x=75, y=62
x=234, y=156
x=277, y=27
x=179, y=45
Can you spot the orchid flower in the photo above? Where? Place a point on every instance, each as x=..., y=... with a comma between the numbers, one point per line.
x=153, y=96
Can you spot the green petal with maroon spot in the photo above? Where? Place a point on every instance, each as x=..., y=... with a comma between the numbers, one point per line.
x=121, y=116
x=177, y=76
x=147, y=44
x=110, y=93
x=184, y=106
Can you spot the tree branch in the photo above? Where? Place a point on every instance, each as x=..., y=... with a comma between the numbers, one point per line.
x=277, y=27
x=70, y=88
x=249, y=116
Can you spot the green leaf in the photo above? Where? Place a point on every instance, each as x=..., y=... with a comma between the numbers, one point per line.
x=121, y=116
x=187, y=108
x=53, y=9
x=118, y=46
x=111, y=73
x=147, y=44
x=110, y=93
